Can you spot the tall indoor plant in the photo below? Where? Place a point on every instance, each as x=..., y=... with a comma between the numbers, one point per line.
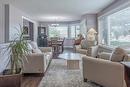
x=18, y=50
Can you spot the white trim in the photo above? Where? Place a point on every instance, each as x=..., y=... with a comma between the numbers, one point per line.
x=114, y=10
x=23, y=17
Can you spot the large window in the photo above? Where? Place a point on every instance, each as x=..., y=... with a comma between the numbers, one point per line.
x=74, y=31
x=67, y=31
x=60, y=31
x=115, y=28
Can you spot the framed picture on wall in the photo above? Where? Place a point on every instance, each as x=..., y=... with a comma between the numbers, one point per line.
x=26, y=31
x=28, y=27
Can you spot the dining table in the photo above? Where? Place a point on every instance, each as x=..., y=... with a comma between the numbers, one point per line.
x=57, y=45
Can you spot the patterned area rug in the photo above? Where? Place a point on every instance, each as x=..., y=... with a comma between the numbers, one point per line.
x=59, y=76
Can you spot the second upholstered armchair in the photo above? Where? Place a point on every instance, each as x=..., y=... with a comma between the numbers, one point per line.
x=103, y=72
x=106, y=72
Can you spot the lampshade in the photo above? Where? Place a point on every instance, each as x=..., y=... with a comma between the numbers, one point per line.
x=91, y=34
x=92, y=30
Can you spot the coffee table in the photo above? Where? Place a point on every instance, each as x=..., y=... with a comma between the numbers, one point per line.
x=73, y=59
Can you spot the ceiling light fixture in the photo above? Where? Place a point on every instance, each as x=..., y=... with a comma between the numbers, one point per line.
x=55, y=24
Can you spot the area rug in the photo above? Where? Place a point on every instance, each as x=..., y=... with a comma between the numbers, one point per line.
x=58, y=75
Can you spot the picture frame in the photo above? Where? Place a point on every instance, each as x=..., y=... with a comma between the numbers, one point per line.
x=28, y=28
x=26, y=31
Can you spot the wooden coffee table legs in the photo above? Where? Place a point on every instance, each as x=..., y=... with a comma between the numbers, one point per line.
x=73, y=64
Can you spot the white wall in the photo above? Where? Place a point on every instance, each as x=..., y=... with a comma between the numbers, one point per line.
x=83, y=27
x=91, y=21
x=35, y=30
x=15, y=19
x=1, y=22
x=2, y=19
x=88, y=21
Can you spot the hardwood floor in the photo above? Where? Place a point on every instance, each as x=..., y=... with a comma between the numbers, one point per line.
x=31, y=80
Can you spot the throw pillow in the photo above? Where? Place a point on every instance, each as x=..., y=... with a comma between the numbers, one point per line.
x=77, y=42
x=34, y=45
x=29, y=48
x=36, y=51
x=84, y=44
x=35, y=48
x=118, y=55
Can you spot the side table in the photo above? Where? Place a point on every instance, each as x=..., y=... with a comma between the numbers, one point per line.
x=127, y=72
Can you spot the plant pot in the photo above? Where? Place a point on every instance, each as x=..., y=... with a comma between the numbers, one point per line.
x=12, y=80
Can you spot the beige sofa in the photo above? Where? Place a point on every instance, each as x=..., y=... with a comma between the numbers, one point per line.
x=103, y=72
x=39, y=60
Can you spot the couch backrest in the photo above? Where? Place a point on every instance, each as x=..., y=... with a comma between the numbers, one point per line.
x=102, y=48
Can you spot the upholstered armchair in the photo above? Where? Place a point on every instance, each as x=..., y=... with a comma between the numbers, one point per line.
x=84, y=47
x=38, y=60
x=107, y=72
x=103, y=72
x=87, y=43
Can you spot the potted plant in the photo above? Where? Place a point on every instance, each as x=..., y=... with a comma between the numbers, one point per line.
x=18, y=50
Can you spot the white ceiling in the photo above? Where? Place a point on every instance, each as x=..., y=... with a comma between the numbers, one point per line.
x=60, y=10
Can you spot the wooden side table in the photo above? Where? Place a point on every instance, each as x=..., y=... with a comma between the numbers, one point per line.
x=127, y=72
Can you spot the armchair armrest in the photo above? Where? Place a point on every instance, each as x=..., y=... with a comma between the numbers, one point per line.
x=34, y=63
x=127, y=57
x=80, y=50
x=46, y=49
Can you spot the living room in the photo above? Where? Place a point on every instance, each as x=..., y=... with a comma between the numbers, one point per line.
x=58, y=43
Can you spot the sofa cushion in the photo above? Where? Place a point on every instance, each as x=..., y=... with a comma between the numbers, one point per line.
x=118, y=55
